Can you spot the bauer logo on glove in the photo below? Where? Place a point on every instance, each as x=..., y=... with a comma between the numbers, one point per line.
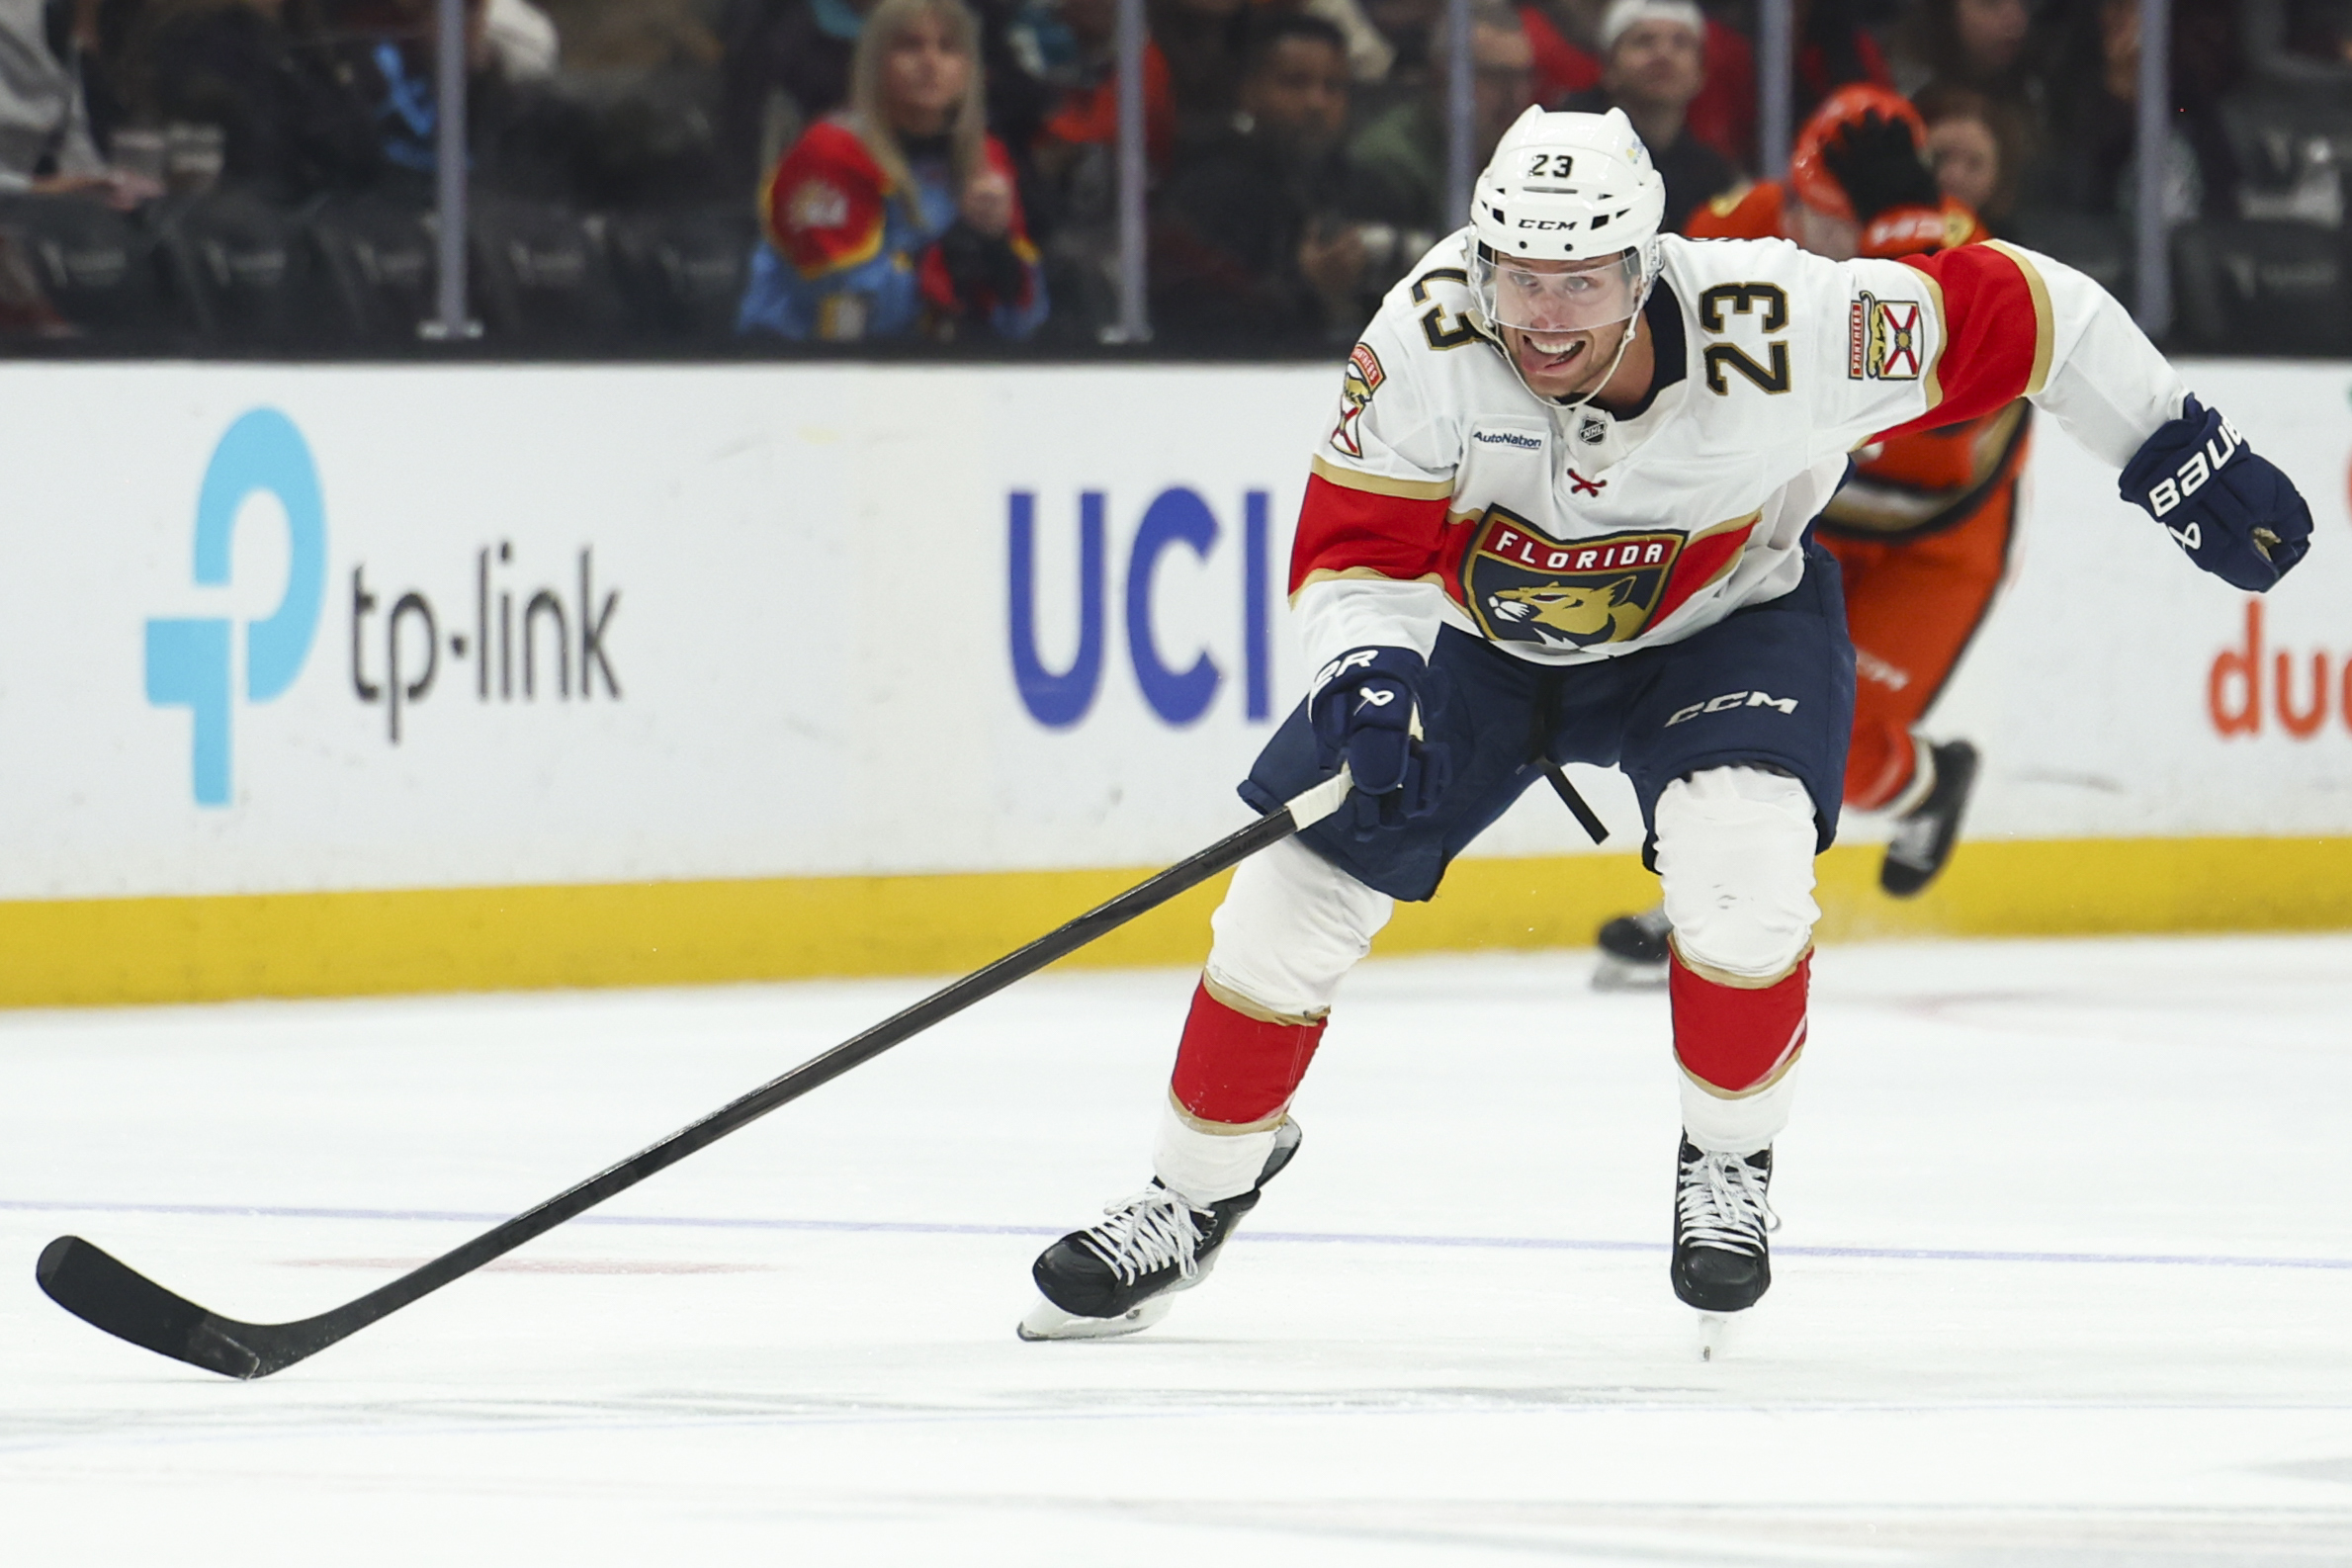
x=2232, y=511
x=1366, y=708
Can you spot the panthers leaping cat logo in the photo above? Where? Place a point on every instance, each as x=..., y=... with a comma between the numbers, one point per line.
x=1580, y=613
x=1524, y=585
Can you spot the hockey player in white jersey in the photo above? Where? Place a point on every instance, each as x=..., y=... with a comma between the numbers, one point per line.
x=1562, y=513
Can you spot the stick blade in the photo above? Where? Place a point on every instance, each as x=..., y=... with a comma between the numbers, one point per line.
x=107, y=1294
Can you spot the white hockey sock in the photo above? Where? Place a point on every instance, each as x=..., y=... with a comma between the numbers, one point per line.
x=1717, y=1124
x=1202, y=1164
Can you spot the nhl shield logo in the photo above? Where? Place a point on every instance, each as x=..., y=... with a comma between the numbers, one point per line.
x=1524, y=587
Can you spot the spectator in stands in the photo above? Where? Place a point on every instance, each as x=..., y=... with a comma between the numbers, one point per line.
x=1203, y=42
x=900, y=216
x=1086, y=110
x=1564, y=37
x=1979, y=44
x=1371, y=57
x=784, y=65
x=2092, y=166
x=520, y=41
x=262, y=70
x=1653, y=65
x=385, y=55
x=635, y=34
x=1972, y=161
x=1258, y=243
x=1019, y=96
x=1723, y=115
x=1404, y=27
x=523, y=138
x=1833, y=50
x=1985, y=48
x=1075, y=164
x=46, y=141
x=1400, y=157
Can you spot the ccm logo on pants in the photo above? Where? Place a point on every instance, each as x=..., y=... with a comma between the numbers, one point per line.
x=1734, y=699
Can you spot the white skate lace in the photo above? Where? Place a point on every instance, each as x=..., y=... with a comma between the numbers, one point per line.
x=1722, y=1204
x=1151, y=1229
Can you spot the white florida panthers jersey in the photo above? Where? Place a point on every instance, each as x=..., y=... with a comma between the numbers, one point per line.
x=1445, y=493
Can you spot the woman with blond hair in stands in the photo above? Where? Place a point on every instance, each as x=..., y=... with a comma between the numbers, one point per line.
x=898, y=218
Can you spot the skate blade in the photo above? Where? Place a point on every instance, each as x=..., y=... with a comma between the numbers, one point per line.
x=1624, y=974
x=1715, y=1336
x=1049, y=1322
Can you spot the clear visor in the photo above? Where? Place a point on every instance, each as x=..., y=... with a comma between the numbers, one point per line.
x=1557, y=296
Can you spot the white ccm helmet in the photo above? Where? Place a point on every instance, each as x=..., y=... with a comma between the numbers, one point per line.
x=1564, y=187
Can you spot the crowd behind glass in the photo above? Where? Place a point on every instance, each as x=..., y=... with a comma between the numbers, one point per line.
x=715, y=177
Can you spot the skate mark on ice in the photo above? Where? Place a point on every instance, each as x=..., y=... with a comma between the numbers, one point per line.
x=1563, y=1244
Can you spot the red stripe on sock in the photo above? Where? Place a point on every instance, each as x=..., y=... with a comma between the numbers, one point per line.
x=1731, y=1037
x=1232, y=1067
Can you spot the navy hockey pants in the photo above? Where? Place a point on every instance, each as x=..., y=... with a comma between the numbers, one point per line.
x=1769, y=685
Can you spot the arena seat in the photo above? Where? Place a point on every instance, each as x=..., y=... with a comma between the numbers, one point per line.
x=379, y=268
x=2098, y=248
x=246, y=274
x=682, y=273
x=2260, y=286
x=97, y=268
x=2292, y=145
x=541, y=278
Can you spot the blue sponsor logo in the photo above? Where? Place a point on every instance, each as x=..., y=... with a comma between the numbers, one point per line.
x=1509, y=438
x=1176, y=517
x=189, y=661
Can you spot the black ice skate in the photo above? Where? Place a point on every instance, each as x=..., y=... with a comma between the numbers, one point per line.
x=1722, y=1262
x=1925, y=835
x=1632, y=952
x=1117, y=1277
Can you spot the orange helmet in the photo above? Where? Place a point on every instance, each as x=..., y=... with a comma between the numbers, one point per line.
x=1808, y=176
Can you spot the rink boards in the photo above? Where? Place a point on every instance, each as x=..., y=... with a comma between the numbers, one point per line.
x=355, y=680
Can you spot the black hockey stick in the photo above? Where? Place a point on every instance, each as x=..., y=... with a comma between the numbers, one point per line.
x=1586, y=818
x=106, y=1293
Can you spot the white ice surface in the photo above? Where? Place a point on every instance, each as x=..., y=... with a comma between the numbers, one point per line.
x=2066, y=1278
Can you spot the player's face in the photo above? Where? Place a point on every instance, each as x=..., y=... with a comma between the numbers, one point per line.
x=1562, y=320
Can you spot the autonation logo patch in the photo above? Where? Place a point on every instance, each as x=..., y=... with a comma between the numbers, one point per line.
x=188, y=659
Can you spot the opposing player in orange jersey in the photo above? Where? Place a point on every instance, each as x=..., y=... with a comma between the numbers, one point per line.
x=1921, y=530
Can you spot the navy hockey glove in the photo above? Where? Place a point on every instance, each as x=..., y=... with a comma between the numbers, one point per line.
x=2236, y=515
x=1366, y=708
